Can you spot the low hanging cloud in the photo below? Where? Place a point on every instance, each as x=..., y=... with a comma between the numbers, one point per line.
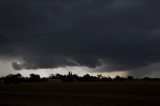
x=45, y=62
x=119, y=34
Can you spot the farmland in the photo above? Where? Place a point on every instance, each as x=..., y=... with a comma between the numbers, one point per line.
x=115, y=93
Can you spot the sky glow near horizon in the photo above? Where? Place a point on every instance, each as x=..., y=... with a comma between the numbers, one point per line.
x=6, y=69
x=76, y=70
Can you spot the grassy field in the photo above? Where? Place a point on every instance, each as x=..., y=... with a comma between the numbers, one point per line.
x=81, y=94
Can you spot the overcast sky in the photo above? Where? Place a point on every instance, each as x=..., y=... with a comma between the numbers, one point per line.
x=100, y=35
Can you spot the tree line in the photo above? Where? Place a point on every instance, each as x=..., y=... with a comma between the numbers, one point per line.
x=18, y=78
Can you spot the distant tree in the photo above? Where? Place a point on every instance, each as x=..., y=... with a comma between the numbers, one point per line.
x=100, y=76
x=75, y=76
x=130, y=78
x=34, y=77
x=146, y=79
x=52, y=76
x=118, y=78
x=58, y=76
x=18, y=76
x=68, y=78
x=87, y=77
x=11, y=78
x=106, y=79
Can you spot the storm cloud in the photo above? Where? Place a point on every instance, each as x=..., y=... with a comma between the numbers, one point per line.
x=120, y=34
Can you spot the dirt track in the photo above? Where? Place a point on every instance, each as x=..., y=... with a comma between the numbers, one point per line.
x=81, y=94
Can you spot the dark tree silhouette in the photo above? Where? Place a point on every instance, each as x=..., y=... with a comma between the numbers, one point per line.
x=34, y=77
x=118, y=78
x=68, y=78
x=13, y=78
x=130, y=78
x=52, y=76
x=18, y=78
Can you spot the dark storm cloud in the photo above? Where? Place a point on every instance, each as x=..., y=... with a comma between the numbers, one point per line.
x=35, y=62
x=123, y=34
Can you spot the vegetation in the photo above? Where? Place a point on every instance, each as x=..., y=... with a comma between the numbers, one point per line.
x=18, y=78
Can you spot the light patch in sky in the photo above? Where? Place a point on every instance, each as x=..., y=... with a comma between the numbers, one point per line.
x=46, y=72
x=112, y=74
x=6, y=68
x=75, y=70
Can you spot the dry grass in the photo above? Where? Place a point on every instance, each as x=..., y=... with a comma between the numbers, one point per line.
x=81, y=94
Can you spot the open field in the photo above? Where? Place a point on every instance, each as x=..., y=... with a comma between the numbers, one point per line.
x=81, y=94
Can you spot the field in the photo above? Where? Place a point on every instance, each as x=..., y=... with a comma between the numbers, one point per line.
x=81, y=94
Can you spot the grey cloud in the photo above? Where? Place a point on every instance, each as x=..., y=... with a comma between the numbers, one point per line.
x=55, y=33
x=36, y=62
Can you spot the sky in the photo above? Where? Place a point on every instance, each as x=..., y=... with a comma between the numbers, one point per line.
x=88, y=36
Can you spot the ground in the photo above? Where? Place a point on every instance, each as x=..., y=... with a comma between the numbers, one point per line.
x=133, y=93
